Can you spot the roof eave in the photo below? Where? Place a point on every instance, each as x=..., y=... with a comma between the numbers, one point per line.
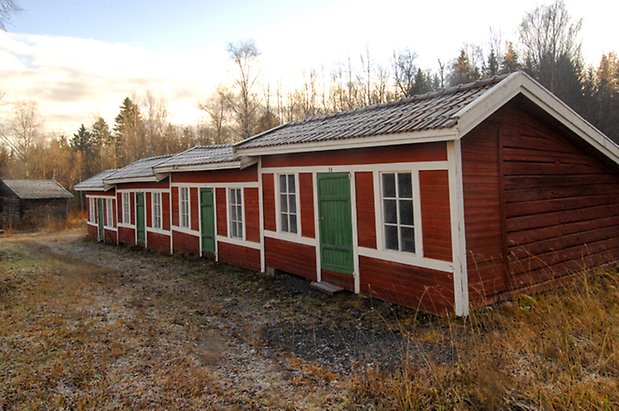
x=150, y=179
x=412, y=137
x=198, y=167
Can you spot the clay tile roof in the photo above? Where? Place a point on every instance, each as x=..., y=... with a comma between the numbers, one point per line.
x=429, y=111
x=37, y=189
x=200, y=155
x=95, y=182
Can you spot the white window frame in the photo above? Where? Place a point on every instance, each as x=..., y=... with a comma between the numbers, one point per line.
x=415, y=209
x=92, y=203
x=184, y=213
x=236, y=222
x=157, y=215
x=278, y=204
x=126, y=214
x=109, y=213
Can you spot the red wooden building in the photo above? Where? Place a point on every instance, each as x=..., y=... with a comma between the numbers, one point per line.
x=215, y=205
x=143, y=204
x=101, y=207
x=443, y=201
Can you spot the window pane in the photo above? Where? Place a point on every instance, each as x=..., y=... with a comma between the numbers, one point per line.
x=240, y=230
x=292, y=201
x=407, y=236
x=291, y=185
x=282, y=184
x=406, y=212
x=284, y=222
x=405, y=185
x=283, y=203
x=238, y=196
x=239, y=213
x=391, y=237
x=293, y=223
x=389, y=209
x=388, y=185
x=233, y=230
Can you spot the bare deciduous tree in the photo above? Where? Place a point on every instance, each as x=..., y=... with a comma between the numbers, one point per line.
x=7, y=9
x=25, y=130
x=244, y=55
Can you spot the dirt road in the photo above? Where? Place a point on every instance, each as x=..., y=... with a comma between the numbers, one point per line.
x=84, y=324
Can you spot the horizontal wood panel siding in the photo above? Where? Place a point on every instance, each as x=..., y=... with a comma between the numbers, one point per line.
x=413, y=287
x=158, y=242
x=109, y=236
x=482, y=213
x=222, y=224
x=164, y=184
x=149, y=212
x=306, y=197
x=561, y=202
x=165, y=210
x=366, y=225
x=376, y=155
x=119, y=206
x=126, y=235
x=249, y=174
x=92, y=231
x=252, y=215
x=435, y=214
x=110, y=193
x=195, y=208
x=293, y=258
x=132, y=203
x=185, y=243
x=239, y=256
x=175, y=210
x=268, y=199
x=346, y=281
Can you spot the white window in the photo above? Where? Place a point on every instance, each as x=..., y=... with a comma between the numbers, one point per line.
x=288, y=215
x=126, y=208
x=156, y=210
x=398, y=220
x=93, y=207
x=235, y=196
x=184, y=206
x=109, y=212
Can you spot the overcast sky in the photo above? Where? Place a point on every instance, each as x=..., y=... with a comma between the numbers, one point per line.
x=79, y=59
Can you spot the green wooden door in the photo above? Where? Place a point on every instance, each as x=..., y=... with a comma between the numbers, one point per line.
x=100, y=232
x=207, y=220
x=335, y=222
x=139, y=218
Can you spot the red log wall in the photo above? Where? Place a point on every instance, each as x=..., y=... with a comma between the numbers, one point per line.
x=239, y=256
x=291, y=257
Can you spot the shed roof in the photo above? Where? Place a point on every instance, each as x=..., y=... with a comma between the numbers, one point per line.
x=138, y=171
x=95, y=183
x=37, y=189
x=200, y=157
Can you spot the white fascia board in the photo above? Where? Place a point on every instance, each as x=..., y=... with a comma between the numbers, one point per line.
x=521, y=83
x=151, y=179
x=414, y=137
x=199, y=167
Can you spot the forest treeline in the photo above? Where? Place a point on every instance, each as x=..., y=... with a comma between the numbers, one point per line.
x=548, y=48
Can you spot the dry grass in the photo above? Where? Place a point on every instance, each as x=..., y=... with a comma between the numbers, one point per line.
x=559, y=350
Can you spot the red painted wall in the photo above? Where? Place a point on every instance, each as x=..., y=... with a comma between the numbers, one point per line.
x=91, y=230
x=165, y=209
x=306, y=193
x=175, y=210
x=149, y=208
x=217, y=176
x=159, y=242
x=366, y=226
x=252, y=215
x=431, y=291
x=126, y=235
x=185, y=243
x=109, y=236
x=239, y=256
x=268, y=198
x=194, y=200
x=403, y=153
x=222, y=223
x=290, y=257
x=435, y=214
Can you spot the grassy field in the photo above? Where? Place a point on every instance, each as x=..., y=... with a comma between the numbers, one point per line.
x=89, y=326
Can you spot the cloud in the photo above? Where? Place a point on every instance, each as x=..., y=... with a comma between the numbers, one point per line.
x=73, y=79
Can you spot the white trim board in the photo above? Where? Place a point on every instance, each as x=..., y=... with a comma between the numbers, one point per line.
x=291, y=238
x=199, y=167
x=239, y=242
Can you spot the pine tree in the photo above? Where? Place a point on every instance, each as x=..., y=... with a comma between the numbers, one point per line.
x=129, y=143
x=463, y=70
x=510, y=61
